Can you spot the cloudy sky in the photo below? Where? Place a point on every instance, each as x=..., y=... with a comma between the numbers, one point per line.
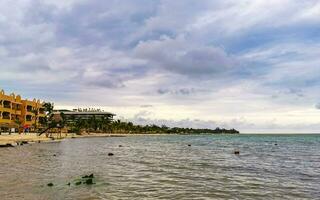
x=253, y=64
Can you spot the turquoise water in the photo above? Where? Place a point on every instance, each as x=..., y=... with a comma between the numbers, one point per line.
x=165, y=167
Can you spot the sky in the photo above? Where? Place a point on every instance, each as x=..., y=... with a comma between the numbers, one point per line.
x=253, y=65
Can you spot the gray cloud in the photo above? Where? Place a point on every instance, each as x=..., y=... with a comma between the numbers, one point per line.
x=106, y=82
x=292, y=92
x=180, y=56
x=163, y=53
x=181, y=91
x=296, y=92
x=187, y=123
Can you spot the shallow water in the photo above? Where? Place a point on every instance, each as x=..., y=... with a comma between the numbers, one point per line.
x=165, y=167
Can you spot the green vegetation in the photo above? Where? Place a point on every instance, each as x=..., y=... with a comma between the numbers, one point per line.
x=107, y=125
x=129, y=127
x=48, y=122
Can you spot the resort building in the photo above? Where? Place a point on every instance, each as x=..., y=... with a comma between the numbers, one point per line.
x=17, y=113
x=84, y=114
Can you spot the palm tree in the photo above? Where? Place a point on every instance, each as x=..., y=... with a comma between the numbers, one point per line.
x=19, y=123
x=48, y=121
x=48, y=107
x=116, y=125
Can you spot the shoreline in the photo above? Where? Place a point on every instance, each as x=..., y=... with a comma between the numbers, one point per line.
x=18, y=140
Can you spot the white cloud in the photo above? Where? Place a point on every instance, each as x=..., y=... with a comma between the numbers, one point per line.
x=235, y=18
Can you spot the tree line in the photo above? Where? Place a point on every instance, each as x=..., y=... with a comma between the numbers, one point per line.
x=108, y=125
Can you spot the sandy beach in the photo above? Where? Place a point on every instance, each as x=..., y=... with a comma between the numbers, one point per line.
x=16, y=139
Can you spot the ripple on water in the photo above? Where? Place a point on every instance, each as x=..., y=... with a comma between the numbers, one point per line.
x=164, y=167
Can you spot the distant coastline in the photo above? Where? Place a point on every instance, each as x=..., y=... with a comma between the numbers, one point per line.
x=31, y=138
x=81, y=121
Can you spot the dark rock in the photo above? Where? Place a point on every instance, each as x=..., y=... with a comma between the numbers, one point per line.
x=275, y=144
x=88, y=176
x=54, y=155
x=89, y=181
x=236, y=152
x=69, y=184
x=110, y=154
x=78, y=183
x=50, y=184
x=120, y=146
x=7, y=145
x=91, y=176
x=189, y=145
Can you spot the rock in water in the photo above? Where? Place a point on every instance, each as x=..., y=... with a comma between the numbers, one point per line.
x=110, y=154
x=91, y=176
x=88, y=176
x=6, y=145
x=78, y=183
x=50, y=184
x=189, y=145
x=236, y=152
x=89, y=181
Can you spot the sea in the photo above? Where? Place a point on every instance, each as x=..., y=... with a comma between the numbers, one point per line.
x=165, y=167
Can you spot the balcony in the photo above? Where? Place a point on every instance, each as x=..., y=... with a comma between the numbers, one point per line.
x=5, y=110
x=5, y=121
x=6, y=117
x=16, y=107
x=7, y=106
x=28, y=118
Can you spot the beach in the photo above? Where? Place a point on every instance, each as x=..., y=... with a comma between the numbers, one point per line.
x=16, y=139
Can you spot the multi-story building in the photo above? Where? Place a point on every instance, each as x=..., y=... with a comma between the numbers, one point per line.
x=16, y=112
